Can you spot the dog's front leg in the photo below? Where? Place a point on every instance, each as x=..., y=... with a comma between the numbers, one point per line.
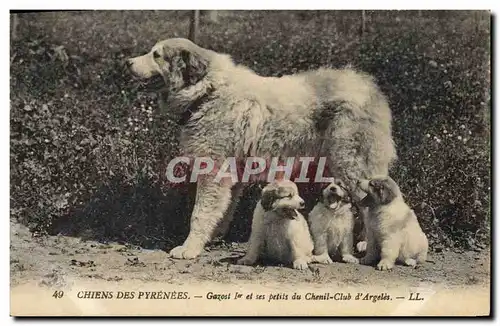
x=212, y=200
x=223, y=227
x=372, y=250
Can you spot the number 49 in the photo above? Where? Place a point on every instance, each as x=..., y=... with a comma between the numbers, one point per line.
x=58, y=294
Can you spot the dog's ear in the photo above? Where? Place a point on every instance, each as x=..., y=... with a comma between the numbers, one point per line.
x=268, y=198
x=375, y=183
x=195, y=67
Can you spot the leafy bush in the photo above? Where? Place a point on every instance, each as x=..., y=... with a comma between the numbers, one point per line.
x=88, y=150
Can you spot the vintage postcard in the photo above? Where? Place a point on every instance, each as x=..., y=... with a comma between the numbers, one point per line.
x=250, y=163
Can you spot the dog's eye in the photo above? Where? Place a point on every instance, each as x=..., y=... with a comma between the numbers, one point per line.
x=156, y=55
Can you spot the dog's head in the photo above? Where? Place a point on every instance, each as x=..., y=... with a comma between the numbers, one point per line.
x=282, y=196
x=381, y=190
x=172, y=64
x=336, y=194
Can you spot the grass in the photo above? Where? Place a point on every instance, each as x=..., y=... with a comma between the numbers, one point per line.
x=88, y=150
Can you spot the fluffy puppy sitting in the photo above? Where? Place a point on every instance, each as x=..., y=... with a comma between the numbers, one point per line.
x=392, y=229
x=331, y=223
x=279, y=232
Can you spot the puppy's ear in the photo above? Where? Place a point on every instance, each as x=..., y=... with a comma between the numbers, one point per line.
x=386, y=193
x=268, y=198
x=195, y=67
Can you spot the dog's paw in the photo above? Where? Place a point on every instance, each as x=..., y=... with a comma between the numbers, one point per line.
x=322, y=259
x=350, y=259
x=300, y=263
x=411, y=262
x=246, y=260
x=385, y=265
x=361, y=246
x=182, y=252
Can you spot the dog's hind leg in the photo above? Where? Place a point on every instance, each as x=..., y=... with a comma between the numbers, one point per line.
x=212, y=200
x=229, y=214
x=372, y=250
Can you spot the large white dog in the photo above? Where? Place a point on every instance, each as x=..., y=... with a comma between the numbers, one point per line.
x=228, y=110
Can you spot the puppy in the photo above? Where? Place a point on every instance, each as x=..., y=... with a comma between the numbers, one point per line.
x=392, y=229
x=331, y=223
x=279, y=232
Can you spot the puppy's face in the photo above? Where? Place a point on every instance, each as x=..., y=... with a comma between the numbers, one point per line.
x=335, y=194
x=382, y=190
x=282, y=196
x=172, y=64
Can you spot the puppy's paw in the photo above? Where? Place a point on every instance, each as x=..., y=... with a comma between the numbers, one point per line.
x=350, y=259
x=385, y=265
x=246, y=260
x=322, y=259
x=361, y=246
x=182, y=252
x=411, y=262
x=301, y=263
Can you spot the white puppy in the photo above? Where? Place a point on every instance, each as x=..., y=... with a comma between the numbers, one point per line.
x=392, y=229
x=279, y=232
x=331, y=223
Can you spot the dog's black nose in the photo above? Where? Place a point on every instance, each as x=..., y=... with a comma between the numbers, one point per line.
x=302, y=204
x=128, y=63
x=333, y=190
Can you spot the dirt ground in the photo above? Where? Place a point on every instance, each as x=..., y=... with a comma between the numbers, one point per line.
x=52, y=261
